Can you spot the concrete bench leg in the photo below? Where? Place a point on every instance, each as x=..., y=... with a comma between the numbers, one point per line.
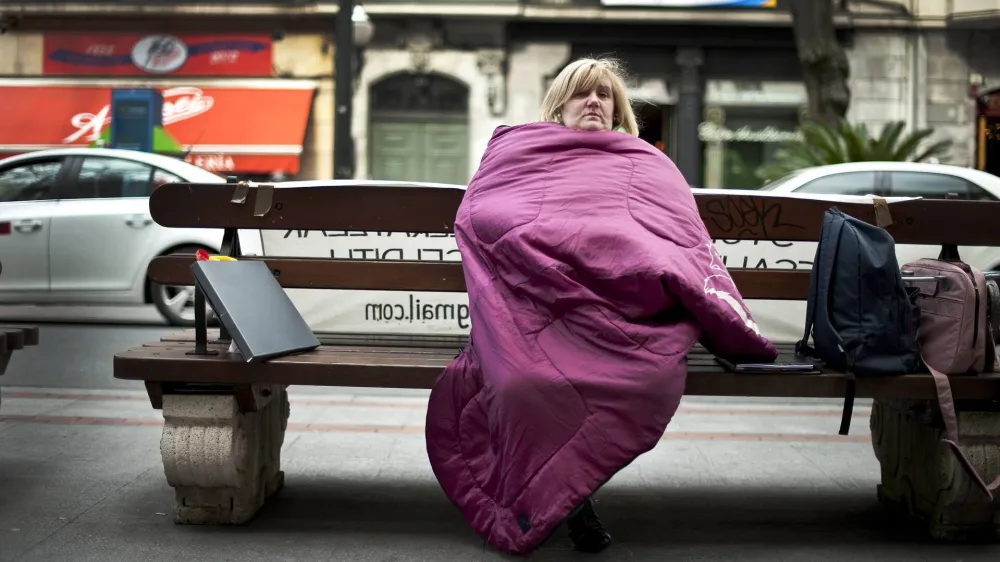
x=921, y=475
x=221, y=463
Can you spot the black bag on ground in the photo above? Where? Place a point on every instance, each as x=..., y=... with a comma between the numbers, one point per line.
x=862, y=318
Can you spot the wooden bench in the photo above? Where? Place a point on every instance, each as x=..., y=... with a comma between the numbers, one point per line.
x=225, y=419
x=13, y=338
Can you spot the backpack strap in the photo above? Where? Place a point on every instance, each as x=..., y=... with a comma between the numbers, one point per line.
x=845, y=416
x=819, y=284
x=992, y=325
x=802, y=346
x=850, y=390
x=946, y=404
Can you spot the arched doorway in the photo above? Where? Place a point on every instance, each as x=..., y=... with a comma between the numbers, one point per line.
x=419, y=129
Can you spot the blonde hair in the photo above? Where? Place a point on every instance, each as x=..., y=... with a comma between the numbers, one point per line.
x=582, y=75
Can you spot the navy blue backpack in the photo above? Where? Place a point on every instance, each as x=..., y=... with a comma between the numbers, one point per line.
x=862, y=318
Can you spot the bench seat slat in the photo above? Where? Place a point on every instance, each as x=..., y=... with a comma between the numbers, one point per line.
x=15, y=337
x=386, y=341
x=389, y=339
x=353, y=353
x=332, y=366
x=317, y=273
x=358, y=349
x=22, y=335
x=31, y=336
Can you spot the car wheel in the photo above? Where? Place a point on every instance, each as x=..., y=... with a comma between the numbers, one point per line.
x=176, y=302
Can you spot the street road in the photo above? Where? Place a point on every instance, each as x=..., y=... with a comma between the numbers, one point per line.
x=733, y=479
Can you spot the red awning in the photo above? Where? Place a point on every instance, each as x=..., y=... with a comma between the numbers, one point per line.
x=240, y=126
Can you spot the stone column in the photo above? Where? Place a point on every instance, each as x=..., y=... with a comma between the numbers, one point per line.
x=222, y=463
x=923, y=477
x=689, y=109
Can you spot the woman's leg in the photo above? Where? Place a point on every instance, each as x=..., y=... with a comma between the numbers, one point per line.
x=585, y=528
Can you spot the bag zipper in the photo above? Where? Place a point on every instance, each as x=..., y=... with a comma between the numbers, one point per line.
x=975, y=287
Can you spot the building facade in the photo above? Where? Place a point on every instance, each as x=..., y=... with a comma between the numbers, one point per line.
x=717, y=88
x=716, y=98
x=929, y=64
x=255, y=99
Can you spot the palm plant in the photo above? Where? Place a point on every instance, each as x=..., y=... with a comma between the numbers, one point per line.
x=824, y=144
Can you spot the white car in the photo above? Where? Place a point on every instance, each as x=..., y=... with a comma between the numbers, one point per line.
x=891, y=179
x=75, y=229
x=782, y=320
x=901, y=179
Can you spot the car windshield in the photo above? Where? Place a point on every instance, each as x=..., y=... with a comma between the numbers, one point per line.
x=779, y=181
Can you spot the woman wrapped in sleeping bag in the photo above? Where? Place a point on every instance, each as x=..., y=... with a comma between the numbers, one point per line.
x=590, y=276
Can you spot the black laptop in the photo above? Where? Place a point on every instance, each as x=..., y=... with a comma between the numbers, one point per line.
x=788, y=362
x=253, y=307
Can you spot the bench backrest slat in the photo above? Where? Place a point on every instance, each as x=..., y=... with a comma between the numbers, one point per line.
x=306, y=273
x=383, y=208
x=359, y=206
x=432, y=210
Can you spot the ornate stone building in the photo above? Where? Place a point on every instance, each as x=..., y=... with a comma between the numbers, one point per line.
x=716, y=87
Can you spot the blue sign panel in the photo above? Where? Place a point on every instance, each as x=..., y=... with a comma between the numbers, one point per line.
x=135, y=114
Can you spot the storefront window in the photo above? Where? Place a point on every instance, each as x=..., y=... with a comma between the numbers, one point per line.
x=988, y=145
x=988, y=138
x=744, y=125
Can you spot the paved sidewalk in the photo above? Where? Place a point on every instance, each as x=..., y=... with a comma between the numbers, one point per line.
x=81, y=480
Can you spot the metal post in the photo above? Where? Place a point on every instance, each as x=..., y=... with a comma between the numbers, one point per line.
x=200, y=322
x=689, y=113
x=200, y=325
x=949, y=251
x=343, y=153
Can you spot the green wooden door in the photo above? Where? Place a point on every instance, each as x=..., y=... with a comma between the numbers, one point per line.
x=419, y=151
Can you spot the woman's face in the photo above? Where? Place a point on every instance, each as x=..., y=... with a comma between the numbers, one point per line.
x=591, y=110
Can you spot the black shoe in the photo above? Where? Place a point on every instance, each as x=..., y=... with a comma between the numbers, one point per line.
x=586, y=530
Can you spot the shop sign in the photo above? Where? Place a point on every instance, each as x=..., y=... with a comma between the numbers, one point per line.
x=122, y=54
x=212, y=162
x=208, y=121
x=709, y=131
x=179, y=103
